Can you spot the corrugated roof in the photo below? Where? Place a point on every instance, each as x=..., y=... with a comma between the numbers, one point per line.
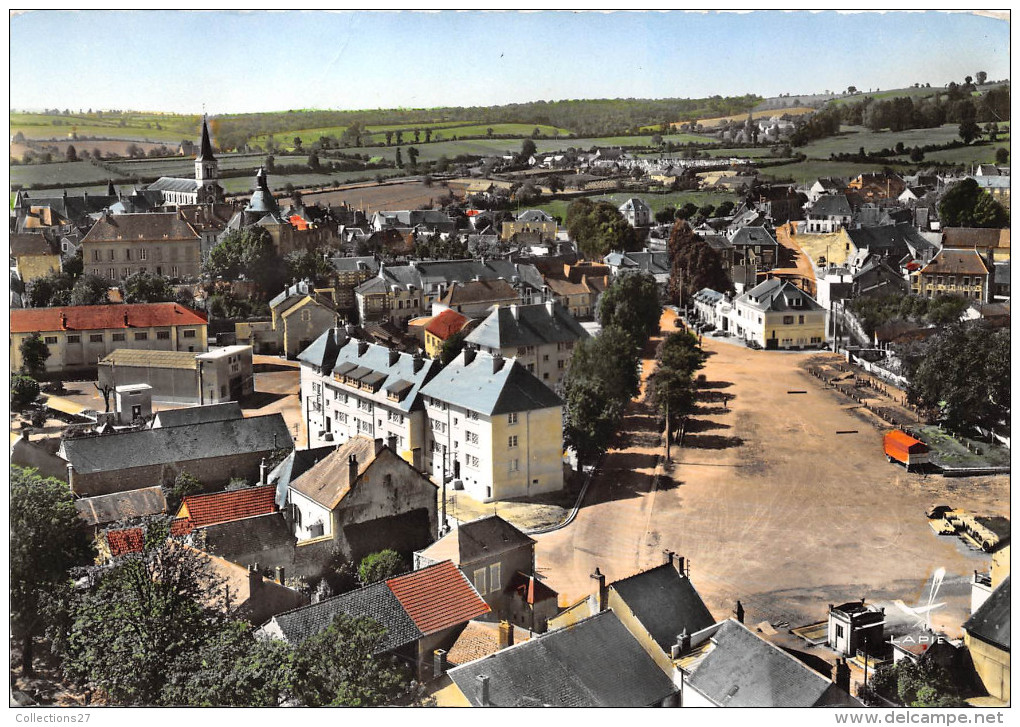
x=104, y=509
x=437, y=597
x=150, y=359
x=665, y=603
x=219, y=507
x=197, y=415
x=990, y=623
x=99, y=317
x=477, y=387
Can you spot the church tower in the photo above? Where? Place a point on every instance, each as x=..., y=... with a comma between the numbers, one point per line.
x=207, y=169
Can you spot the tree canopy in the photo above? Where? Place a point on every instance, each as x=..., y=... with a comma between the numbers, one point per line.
x=143, y=287
x=376, y=567
x=34, y=353
x=965, y=204
x=598, y=228
x=90, y=290
x=249, y=252
x=694, y=265
x=631, y=304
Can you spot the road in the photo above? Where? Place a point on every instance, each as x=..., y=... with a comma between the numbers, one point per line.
x=770, y=504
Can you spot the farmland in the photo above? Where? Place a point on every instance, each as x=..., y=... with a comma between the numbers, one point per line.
x=852, y=138
x=67, y=174
x=807, y=171
x=558, y=207
x=767, y=113
x=442, y=130
x=408, y=195
x=129, y=126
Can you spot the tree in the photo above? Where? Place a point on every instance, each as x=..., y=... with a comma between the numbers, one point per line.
x=249, y=252
x=90, y=290
x=184, y=485
x=724, y=209
x=399, y=162
x=555, y=183
x=376, y=567
x=981, y=77
x=412, y=154
x=297, y=143
x=528, y=149
x=452, y=347
x=24, y=390
x=141, y=624
x=71, y=153
x=917, y=154
x=34, y=353
x=665, y=215
x=591, y=418
x=598, y=228
x=631, y=303
x=1002, y=155
x=965, y=204
x=338, y=668
x=969, y=131
x=307, y=265
x=142, y=287
x=389, y=137
x=488, y=132
x=313, y=161
x=74, y=265
x=46, y=541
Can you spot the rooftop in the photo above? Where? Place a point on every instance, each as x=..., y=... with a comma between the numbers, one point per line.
x=99, y=317
x=490, y=385
x=219, y=507
x=104, y=509
x=527, y=325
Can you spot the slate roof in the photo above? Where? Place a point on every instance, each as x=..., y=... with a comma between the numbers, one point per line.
x=220, y=507
x=235, y=538
x=174, y=184
x=105, y=509
x=665, y=603
x=527, y=325
x=364, y=262
x=481, y=538
x=437, y=597
x=1002, y=273
x=594, y=663
x=145, y=226
x=634, y=204
x=479, y=291
x=205, y=151
x=753, y=236
x=293, y=466
x=776, y=294
x=328, y=481
x=831, y=205
x=891, y=240
x=446, y=324
x=990, y=623
x=99, y=317
x=165, y=445
x=322, y=352
x=709, y=296
x=741, y=669
x=965, y=262
x=975, y=237
x=29, y=243
x=197, y=415
x=534, y=216
x=476, y=387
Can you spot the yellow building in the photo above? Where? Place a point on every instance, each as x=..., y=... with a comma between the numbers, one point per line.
x=532, y=223
x=162, y=243
x=962, y=273
x=440, y=329
x=986, y=636
x=33, y=257
x=778, y=315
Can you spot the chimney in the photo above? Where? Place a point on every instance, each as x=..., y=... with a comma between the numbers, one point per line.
x=125, y=319
x=738, y=612
x=683, y=644
x=438, y=663
x=841, y=675
x=279, y=574
x=362, y=347
x=63, y=320
x=254, y=579
x=378, y=445
x=549, y=306
x=352, y=468
x=391, y=442
x=602, y=593
x=263, y=472
x=418, y=362
x=506, y=634
x=513, y=311
x=483, y=685
x=469, y=355
x=497, y=362
x=393, y=356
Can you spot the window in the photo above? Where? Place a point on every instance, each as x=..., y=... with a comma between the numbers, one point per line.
x=512, y=441
x=545, y=357
x=800, y=319
x=142, y=336
x=113, y=273
x=521, y=350
x=511, y=418
x=119, y=336
x=50, y=339
x=223, y=390
x=514, y=465
x=480, y=581
x=472, y=461
x=175, y=272
x=74, y=339
x=163, y=335
x=127, y=254
x=111, y=254
x=531, y=368
x=189, y=334
x=787, y=320
x=471, y=437
x=494, y=577
x=545, y=376
x=839, y=631
x=143, y=254
x=560, y=364
x=95, y=255
x=96, y=338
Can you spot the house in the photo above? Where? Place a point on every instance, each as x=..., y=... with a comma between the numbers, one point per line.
x=499, y=560
x=78, y=336
x=962, y=273
x=441, y=328
x=828, y=213
x=433, y=220
x=244, y=593
x=596, y=663
x=579, y=297
x=204, y=188
x=350, y=273
x=780, y=203
x=636, y=212
x=182, y=377
x=777, y=314
x=996, y=185
x=300, y=315
x=541, y=337
x=854, y=627
x=530, y=225
x=728, y=665
x=421, y=612
x=892, y=242
x=395, y=293
x=38, y=453
x=198, y=511
x=655, y=264
x=208, y=220
x=295, y=464
x=32, y=256
x=826, y=186
x=264, y=542
x=990, y=242
x=351, y=387
x=495, y=427
x=755, y=247
x=1001, y=282
x=876, y=277
x=475, y=298
x=162, y=243
x=62, y=215
x=360, y=499
x=656, y=605
x=213, y=452
x=707, y=306
x=98, y=513
x=877, y=185
x=986, y=637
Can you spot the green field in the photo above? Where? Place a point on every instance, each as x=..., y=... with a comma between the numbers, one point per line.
x=137, y=126
x=852, y=138
x=63, y=173
x=810, y=170
x=965, y=155
x=241, y=185
x=914, y=93
x=753, y=153
x=443, y=130
x=657, y=201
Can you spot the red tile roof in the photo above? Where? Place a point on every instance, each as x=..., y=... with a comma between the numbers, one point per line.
x=446, y=324
x=129, y=540
x=180, y=526
x=98, y=317
x=437, y=597
x=221, y=507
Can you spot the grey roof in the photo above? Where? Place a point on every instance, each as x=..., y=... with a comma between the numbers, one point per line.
x=665, y=603
x=197, y=415
x=831, y=205
x=990, y=623
x=776, y=294
x=1002, y=273
x=297, y=290
x=745, y=670
x=166, y=445
x=293, y=466
x=362, y=262
x=476, y=387
x=205, y=150
x=718, y=242
x=488, y=535
x=594, y=663
x=376, y=601
x=893, y=240
x=534, y=216
x=104, y=509
x=173, y=184
x=656, y=263
x=709, y=296
x=753, y=236
x=321, y=353
x=251, y=535
x=634, y=204
x=527, y=325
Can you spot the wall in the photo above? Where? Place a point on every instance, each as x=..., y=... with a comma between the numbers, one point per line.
x=168, y=385
x=510, y=563
x=539, y=454
x=991, y=665
x=303, y=324
x=797, y=334
x=120, y=258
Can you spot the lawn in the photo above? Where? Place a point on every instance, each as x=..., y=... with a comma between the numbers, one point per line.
x=810, y=170
x=950, y=452
x=137, y=126
x=657, y=201
x=984, y=154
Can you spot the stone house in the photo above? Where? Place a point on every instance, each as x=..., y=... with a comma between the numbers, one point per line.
x=162, y=243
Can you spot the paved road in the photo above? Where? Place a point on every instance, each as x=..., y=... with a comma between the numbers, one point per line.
x=772, y=506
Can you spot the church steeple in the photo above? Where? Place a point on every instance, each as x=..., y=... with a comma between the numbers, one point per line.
x=205, y=152
x=207, y=169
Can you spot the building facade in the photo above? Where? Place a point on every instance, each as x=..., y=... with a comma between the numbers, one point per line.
x=776, y=314
x=162, y=243
x=962, y=273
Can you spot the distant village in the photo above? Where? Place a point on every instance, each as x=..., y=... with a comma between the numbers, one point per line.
x=337, y=412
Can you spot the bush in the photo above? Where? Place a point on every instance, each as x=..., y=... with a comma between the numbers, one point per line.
x=379, y=566
x=24, y=390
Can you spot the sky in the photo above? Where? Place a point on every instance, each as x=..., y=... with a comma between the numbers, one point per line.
x=235, y=62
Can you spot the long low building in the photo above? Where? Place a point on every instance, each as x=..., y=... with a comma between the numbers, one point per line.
x=182, y=377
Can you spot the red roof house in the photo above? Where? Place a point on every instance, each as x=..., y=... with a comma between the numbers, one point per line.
x=100, y=317
x=446, y=324
x=438, y=597
x=128, y=540
x=219, y=507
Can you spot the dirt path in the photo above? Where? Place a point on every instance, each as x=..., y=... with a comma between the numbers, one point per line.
x=772, y=506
